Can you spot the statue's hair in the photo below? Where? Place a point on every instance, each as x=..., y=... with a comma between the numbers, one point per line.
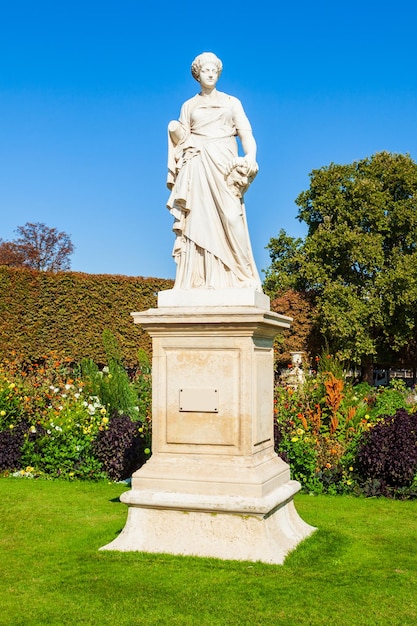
x=202, y=59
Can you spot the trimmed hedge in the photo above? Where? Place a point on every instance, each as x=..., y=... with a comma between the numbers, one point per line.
x=66, y=312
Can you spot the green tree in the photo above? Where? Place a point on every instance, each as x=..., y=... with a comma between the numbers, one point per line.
x=359, y=257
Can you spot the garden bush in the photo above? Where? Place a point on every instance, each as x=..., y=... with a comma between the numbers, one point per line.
x=387, y=454
x=120, y=447
x=11, y=444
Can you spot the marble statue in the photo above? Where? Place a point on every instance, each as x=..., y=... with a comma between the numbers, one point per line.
x=208, y=179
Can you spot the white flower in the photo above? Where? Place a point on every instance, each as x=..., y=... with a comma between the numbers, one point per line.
x=76, y=395
x=67, y=386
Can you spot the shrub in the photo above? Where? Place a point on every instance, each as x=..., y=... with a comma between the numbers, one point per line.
x=387, y=455
x=11, y=442
x=389, y=399
x=121, y=447
x=11, y=402
x=112, y=386
x=296, y=447
x=60, y=442
x=142, y=383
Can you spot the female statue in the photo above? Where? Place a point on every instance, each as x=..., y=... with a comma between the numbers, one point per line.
x=207, y=180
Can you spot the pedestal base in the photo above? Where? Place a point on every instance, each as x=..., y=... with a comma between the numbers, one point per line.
x=230, y=528
x=214, y=486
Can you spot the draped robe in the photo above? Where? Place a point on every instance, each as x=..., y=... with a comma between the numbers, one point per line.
x=212, y=249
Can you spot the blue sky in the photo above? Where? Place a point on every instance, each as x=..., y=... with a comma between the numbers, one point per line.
x=87, y=89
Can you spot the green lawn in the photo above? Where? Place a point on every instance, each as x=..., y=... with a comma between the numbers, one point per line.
x=359, y=568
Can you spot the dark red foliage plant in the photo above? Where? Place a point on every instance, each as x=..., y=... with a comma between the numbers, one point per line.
x=120, y=448
x=388, y=453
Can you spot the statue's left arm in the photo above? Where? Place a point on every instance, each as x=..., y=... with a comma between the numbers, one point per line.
x=249, y=148
x=244, y=132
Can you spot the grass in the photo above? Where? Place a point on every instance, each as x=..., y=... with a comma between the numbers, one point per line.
x=358, y=569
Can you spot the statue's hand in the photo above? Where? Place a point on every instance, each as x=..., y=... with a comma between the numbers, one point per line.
x=250, y=166
x=253, y=168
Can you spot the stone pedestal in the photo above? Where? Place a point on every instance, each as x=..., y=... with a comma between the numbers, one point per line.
x=214, y=485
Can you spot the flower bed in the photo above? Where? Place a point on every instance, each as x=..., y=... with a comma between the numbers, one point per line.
x=339, y=438
x=66, y=421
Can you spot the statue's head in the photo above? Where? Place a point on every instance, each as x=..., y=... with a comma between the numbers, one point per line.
x=202, y=59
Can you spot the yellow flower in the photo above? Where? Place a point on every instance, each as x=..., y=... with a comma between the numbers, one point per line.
x=294, y=439
x=103, y=411
x=2, y=413
x=350, y=469
x=300, y=431
x=105, y=420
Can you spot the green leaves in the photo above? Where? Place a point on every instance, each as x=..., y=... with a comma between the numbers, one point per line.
x=359, y=256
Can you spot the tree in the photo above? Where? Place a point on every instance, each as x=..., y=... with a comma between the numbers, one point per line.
x=302, y=335
x=359, y=258
x=38, y=247
x=10, y=254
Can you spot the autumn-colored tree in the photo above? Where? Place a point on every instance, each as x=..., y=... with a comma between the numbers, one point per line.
x=10, y=254
x=38, y=247
x=303, y=335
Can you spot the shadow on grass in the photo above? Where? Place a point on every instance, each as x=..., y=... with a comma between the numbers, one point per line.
x=322, y=547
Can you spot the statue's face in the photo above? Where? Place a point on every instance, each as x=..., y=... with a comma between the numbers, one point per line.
x=208, y=75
